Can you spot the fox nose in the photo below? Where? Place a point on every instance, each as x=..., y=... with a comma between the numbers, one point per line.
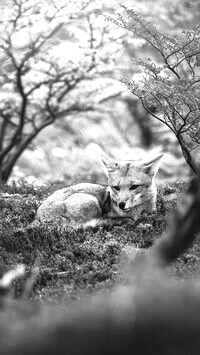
x=122, y=205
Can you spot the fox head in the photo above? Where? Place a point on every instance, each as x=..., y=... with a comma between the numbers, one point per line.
x=131, y=184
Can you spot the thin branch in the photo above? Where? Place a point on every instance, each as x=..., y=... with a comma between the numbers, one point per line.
x=185, y=58
x=130, y=29
x=188, y=127
x=155, y=116
x=165, y=112
x=180, y=48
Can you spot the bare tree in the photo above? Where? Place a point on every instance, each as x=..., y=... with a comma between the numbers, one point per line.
x=37, y=87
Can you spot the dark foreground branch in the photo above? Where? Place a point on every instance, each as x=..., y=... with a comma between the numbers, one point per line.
x=183, y=226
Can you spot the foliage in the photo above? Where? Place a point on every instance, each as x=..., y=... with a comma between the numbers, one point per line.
x=169, y=88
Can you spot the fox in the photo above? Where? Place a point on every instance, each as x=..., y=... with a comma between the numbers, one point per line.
x=131, y=190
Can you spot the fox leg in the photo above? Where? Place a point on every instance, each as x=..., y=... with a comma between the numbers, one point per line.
x=108, y=221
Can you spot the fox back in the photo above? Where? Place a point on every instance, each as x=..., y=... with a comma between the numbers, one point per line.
x=131, y=190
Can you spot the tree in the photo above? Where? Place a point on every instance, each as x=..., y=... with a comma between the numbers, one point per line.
x=40, y=81
x=169, y=88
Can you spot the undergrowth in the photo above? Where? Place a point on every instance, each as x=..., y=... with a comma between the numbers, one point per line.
x=71, y=261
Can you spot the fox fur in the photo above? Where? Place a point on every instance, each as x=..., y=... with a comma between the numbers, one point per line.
x=131, y=190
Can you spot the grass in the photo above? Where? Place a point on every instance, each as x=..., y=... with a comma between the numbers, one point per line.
x=75, y=262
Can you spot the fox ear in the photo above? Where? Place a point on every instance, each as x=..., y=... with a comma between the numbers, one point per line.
x=110, y=164
x=151, y=167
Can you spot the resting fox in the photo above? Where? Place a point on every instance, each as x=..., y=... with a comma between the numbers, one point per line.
x=131, y=190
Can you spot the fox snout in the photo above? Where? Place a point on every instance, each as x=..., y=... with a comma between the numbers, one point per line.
x=125, y=204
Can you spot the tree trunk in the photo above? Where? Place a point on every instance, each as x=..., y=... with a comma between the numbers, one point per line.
x=10, y=159
x=6, y=170
x=140, y=116
x=188, y=157
x=4, y=174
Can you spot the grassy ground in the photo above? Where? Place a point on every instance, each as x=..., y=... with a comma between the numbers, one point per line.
x=75, y=262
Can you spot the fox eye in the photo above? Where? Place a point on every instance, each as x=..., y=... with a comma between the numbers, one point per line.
x=134, y=187
x=117, y=188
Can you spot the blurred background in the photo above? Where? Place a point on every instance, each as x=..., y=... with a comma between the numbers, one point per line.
x=63, y=63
